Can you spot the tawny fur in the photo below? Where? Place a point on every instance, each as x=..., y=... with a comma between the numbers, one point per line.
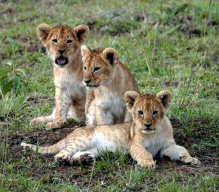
x=63, y=45
x=150, y=133
x=107, y=80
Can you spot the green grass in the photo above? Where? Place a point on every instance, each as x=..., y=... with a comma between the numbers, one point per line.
x=156, y=40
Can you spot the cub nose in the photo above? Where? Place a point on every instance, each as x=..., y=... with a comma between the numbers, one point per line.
x=61, y=51
x=147, y=125
x=87, y=81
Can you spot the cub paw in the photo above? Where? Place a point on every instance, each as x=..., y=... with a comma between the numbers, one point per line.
x=62, y=158
x=86, y=159
x=36, y=121
x=43, y=120
x=189, y=160
x=147, y=164
x=83, y=158
x=54, y=124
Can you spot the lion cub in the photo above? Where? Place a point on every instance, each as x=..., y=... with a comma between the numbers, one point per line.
x=63, y=45
x=107, y=80
x=150, y=133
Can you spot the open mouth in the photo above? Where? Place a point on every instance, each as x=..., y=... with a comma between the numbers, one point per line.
x=61, y=61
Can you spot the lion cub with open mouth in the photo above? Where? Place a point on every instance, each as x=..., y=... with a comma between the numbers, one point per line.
x=63, y=45
x=106, y=80
x=150, y=133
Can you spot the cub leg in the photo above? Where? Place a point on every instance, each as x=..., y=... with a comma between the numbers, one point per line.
x=66, y=154
x=76, y=110
x=80, y=139
x=139, y=153
x=91, y=116
x=103, y=116
x=63, y=102
x=90, y=100
x=176, y=152
x=44, y=120
x=90, y=108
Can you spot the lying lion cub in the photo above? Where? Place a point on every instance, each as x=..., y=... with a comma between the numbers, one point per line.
x=150, y=133
x=107, y=80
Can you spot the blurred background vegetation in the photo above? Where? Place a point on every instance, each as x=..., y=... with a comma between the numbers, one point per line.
x=170, y=45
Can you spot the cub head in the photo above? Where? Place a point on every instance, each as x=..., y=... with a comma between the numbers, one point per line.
x=62, y=42
x=148, y=109
x=98, y=66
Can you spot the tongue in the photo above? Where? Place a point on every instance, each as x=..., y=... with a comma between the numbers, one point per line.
x=61, y=61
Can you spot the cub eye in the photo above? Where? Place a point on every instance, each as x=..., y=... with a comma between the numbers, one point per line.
x=85, y=68
x=96, y=69
x=55, y=41
x=140, y=112
x=69, y=41
x=155, y=112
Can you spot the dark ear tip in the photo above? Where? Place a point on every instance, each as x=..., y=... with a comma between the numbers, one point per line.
x=165, y=97
x=110, y=54
x=130, y=97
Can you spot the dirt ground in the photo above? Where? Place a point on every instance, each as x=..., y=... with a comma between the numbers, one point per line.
x=209, y=159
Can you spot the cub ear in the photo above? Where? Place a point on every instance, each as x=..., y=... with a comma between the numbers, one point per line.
x=84, y=50
x=165, y=97
x=82, y=31
x=43, y=31
x=130, y=97
x=110, y=55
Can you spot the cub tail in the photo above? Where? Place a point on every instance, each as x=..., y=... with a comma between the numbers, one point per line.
x=53, y=149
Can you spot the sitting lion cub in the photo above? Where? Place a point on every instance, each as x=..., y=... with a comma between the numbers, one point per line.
x=107, y=80
x=63, y=45
x=150, y=133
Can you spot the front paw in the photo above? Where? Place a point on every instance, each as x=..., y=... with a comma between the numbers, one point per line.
x=146, y=163
x=62, y=158
x=189, y=160
x=36, y=121
x=54, y=124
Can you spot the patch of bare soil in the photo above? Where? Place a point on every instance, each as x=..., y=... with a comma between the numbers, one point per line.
x=76, y=175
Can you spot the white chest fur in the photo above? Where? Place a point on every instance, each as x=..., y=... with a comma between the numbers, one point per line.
x=70, y=86
x=159, y=140
x=112, y=102
x=154, y=143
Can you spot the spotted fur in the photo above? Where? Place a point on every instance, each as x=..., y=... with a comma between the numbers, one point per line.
x=150, y=133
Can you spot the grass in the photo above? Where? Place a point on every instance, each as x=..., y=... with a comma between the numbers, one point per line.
x=170, y=45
